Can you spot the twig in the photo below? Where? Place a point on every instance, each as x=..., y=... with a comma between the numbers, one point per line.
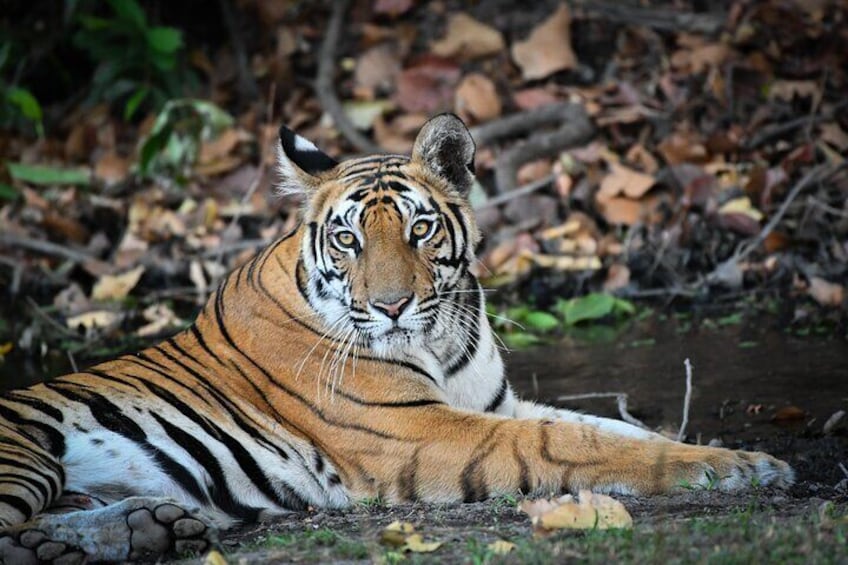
x=523, y=190
x=50, y=321
x=72, y=361
x=843, y=469
x=621, y=402
x=687, y=400
x=522, y=123
x=574, y=129
x=656, y=18
x=46, y=248
x=324, y=83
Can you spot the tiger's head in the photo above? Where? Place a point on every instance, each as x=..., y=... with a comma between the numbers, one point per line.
x=389, y=238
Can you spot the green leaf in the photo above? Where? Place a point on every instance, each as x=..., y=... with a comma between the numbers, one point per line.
x=730, y=319
x=23, y=99
x=541, y=321
x=129, y=10
x=589, y=307
x=8, y=192
x=133, y=103
x=520, y=340
x=165, y=39
x=623, y=306
x=45, y=175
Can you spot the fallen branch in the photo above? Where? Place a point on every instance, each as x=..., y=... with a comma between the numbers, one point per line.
x=522, y=123
x=655, y=18
x=575, y=128
x=326, y=76
x=620, y=400
x=46, y=248
x=687, y=400
x=523, y=190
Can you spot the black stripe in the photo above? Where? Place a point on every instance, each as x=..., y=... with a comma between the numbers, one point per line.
x=18, y=504
x=473, y=336
x=27, y=482
x=499, y=397
x=474, y=487
x=41, y=406
x=55, y=439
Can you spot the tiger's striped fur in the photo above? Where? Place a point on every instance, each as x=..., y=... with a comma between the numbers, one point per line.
x=350, y=359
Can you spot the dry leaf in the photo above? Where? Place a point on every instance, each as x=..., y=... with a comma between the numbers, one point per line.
x=219, y=147
x=682, y=147
x=427, y=86
x=825, y=292
x=743, y=206
x=93, y=319
x=160, y=318
x=116, y=287
x=477, y=99
x=621, y=179
x=377, y=69
x=111, y=169
x=466, y=38
x=214, y=557
x=590, y=511
x=501, y=547
x=416, y=544
x=548, y=49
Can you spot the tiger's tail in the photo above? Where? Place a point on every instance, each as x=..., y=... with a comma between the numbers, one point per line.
x=31, y=478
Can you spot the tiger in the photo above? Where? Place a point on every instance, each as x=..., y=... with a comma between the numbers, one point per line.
x=350, y=359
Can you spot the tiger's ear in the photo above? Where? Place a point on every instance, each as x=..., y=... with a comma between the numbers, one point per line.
x=444, y=145
x=298, y=162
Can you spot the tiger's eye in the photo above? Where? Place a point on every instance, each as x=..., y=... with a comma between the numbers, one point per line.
x=421, y=228
x=345, y=239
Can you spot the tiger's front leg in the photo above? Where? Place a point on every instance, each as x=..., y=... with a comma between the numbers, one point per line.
x=462, y=456
x=137, y=529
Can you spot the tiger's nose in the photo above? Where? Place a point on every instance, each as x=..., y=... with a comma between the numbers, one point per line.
x=393, y=310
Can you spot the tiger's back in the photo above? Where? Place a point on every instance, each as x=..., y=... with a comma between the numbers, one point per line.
x=350, y=359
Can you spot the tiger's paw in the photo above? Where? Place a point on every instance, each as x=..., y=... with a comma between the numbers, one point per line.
x=138, y=529
x=731, y=471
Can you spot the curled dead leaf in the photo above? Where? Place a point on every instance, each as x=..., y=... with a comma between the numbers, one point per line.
x=501, y=547
x=93, y=319
x=427, y=86
x=624, y=180
x=477, y=99
x=588, y=511
x=548, y=48
x=466, y=38
x=116, y=287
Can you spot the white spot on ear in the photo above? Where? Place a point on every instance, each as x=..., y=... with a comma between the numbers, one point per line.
x=303, y=144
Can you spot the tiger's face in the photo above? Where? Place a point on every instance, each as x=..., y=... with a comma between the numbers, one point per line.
x=389, y=241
